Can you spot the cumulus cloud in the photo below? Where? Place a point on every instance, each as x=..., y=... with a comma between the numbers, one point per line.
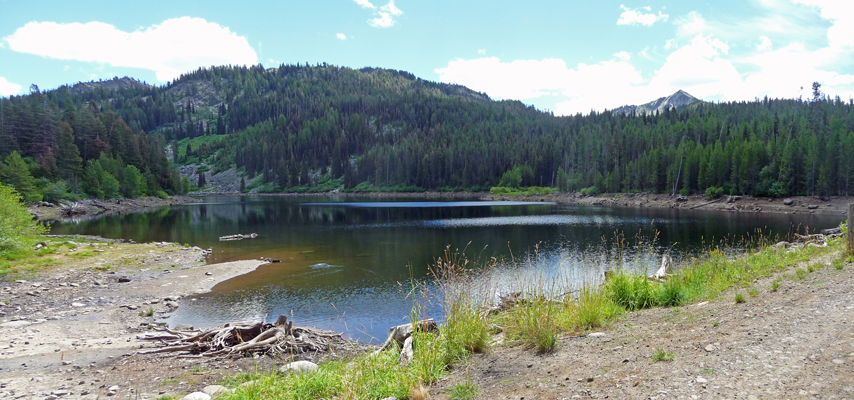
x=365, y=4
x=385, y=16
x=637, y=17
x=764, y=43
x=173, y=47
x=8, y=88
x=589, y=86
x=341, y=36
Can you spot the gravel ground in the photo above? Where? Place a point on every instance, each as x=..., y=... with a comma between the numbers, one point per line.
x=792, y=343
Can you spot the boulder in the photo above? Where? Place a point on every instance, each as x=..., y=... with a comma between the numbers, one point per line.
x=216, y=390
x=299, y=367
x=788, y=202
x=812, y=206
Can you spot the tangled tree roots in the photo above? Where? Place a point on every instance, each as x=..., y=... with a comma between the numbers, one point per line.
x=241, y=338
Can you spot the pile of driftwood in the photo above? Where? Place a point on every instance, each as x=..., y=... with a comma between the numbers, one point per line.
x=816, y=240
x=242, y=338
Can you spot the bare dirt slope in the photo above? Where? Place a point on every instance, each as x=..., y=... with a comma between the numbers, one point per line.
x=793, y=343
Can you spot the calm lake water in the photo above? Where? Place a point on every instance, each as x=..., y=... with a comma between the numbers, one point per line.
x=347, y=264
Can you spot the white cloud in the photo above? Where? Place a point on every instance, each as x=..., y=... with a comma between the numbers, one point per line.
x=636, y=17
x=481, y=51
x=764, y=43
x=8, y=88
x=385, y=16
x=365, y=4
x=623, y=56
x=173, y=47
x=841, y=15
x=589, y=86
x=341, y=36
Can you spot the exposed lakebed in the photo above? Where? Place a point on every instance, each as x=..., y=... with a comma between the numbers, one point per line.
x=347, y=263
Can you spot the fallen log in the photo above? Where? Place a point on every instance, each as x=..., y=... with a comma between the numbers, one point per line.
x=237, y=237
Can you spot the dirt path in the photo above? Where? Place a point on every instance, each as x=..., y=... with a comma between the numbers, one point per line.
x=796, y=342
x=71, y=332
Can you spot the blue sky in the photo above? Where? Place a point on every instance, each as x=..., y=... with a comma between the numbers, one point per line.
x=568, y=57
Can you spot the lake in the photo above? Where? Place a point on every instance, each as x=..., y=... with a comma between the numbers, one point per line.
x=349, y=264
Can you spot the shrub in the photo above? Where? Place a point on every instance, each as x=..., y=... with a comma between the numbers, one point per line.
x=713, y=192
x=739, y=298
x=16, y=223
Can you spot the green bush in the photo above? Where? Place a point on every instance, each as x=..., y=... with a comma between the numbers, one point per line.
x=713, y=192
x=161, y=194
x=16, y=223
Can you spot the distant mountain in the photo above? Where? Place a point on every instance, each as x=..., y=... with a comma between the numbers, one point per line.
x=677, y=100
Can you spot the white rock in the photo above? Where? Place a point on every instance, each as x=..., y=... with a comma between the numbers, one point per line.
x=700, y=379
x=710, y=348
x=597, y=334
x=197, y=396
x=299, y=367
x=216, y=390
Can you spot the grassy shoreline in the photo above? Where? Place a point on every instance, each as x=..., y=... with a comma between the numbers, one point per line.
x=536, y=323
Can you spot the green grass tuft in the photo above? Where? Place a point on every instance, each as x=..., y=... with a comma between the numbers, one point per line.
x=662, y=355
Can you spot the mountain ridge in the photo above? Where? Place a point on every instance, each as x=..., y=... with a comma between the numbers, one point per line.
x=678, y=100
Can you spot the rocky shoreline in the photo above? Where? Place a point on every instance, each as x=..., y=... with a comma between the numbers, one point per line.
x=71, y=331
x=89, y=208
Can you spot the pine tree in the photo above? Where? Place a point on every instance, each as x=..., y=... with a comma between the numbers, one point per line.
x=15, y=172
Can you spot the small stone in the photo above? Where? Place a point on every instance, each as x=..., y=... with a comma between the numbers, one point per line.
x=596, y=334
x=812, y=206
x=197, y=396
x=702, y=380
x=59, y=392
x=788, y=202
x=78, y=305
x=838, y=361
x=66, y=363
x=209, y=273
x=710, y=348
x=114, y=388
x=300, y=367
x=124, y=279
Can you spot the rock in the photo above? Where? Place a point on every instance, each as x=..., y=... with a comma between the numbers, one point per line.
x=216, y=390
x=812, y=206
x=710, y=348
x=701, y=380
x=78, y=305
x=59, y=392
x=15, y=324
x=596, y=334
x=788, y=202
x=838, y=361
x=681, y=199
x=124, y=279
x=184, y=327
x=114, y=388
x=300, y=367
x=197, y=396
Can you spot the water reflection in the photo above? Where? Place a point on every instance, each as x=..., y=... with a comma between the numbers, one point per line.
x=346, y=264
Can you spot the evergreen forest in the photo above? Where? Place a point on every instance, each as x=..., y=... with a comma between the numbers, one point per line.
x=317, y=128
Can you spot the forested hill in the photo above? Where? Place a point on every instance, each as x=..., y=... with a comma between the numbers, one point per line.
x=304, y=128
